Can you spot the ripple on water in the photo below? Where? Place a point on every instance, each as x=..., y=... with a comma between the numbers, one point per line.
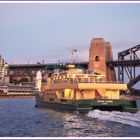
x=19, y=118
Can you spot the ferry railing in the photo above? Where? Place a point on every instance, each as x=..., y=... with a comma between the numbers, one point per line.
x=76, y=82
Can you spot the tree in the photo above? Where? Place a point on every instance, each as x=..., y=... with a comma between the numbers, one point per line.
x=24, y=79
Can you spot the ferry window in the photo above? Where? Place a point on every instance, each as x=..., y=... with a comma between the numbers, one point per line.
x=91, y=79
x=97, y=58
x=100, y=79
x=71, y=80
x=63, y=94
x=69, y=94
x=79, y=80
x=63, y=100
x=52, y=99
x=86, y=80
x=96, y=79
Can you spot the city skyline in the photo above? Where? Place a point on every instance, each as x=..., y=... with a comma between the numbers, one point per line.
x=48, y=32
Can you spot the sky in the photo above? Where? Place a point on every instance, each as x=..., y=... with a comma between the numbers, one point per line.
x=31, y=33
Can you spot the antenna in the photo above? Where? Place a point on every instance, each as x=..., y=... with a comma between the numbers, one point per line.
x=73, y=55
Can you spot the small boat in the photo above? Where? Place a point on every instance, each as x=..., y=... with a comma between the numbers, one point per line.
x=81, y=90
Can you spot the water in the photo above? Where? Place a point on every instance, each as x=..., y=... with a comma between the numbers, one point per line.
x=19, y=118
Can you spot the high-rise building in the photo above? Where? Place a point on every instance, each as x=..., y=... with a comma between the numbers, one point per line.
x=3, y=69
x=99, y=53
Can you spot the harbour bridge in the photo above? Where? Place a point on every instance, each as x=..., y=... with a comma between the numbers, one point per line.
x=127, y=64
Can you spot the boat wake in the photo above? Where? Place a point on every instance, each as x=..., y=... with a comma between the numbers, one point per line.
x=116, y=116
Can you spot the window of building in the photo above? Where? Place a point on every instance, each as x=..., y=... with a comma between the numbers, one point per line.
x=97, y=58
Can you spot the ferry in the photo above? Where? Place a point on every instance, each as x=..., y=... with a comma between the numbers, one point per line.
x=81, y=90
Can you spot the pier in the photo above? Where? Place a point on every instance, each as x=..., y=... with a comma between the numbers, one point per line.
x=17, y=95
x=12, y=91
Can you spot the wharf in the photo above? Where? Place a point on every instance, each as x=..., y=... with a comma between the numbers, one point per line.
x=16, y=91
x=16, y=96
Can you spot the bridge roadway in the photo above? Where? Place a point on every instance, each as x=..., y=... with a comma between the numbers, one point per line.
x=42, y=66
x=114, y=63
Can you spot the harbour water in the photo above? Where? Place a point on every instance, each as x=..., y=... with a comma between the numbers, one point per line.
x=19, y=118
